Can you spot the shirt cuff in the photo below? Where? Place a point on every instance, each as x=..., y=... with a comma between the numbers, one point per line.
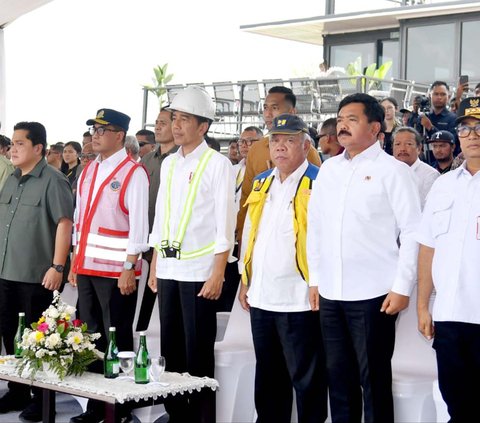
x=134, y=249
x=403, y=287
x=424, y=240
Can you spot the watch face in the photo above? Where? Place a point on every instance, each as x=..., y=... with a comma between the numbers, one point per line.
x=128, y=265
x=58, y=267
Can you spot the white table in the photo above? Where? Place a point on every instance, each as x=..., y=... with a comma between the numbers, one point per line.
x=110, y=391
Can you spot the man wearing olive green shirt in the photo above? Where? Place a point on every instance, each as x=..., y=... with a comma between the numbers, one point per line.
x=36, y=213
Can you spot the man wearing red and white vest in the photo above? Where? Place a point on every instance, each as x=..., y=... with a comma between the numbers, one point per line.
x=111, y=231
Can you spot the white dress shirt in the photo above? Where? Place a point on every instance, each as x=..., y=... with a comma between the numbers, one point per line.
x=451, y=225
x=136, y=200
x=425, y=176
x=358, y=210
x=212, y=218
x=276, y=284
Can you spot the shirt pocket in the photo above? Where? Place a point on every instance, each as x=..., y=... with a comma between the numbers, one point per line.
x=441, y=216
x=5, y=200
x=29, y=208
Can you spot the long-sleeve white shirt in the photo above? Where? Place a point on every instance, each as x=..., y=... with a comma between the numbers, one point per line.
x=212, y=218
x=276, y=284
x=358, y=210
x=425, y=176
x=136, y=201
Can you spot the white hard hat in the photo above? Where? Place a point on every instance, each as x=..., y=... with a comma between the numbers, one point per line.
x=194, y=100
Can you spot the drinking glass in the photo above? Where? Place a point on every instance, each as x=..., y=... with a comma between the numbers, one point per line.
x=157, y=367
x=127, y=361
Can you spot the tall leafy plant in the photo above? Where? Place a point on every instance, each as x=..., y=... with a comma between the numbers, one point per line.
x=371, y=71
x=160, y=80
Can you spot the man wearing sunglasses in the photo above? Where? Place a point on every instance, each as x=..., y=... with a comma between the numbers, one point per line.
x=449, y=237
x=146, y=141
x=111, y=230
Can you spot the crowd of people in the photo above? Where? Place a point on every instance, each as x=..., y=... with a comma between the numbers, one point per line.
x=330, y=246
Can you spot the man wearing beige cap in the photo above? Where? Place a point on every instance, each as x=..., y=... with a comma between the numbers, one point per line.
x=274, y=288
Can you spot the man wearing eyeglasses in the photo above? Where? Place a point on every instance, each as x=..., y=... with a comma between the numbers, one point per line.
x=247, y=139
x=448, y=259
x=327, y=139
x=111, y=231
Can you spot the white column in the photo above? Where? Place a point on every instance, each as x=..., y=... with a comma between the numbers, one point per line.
x=2, y=83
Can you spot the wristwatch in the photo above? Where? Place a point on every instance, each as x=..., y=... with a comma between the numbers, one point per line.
x=128, y=265
x=58, y=267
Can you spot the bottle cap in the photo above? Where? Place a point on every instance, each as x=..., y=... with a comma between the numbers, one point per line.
x=142, y=333
x=21, y=314
x=112, y=328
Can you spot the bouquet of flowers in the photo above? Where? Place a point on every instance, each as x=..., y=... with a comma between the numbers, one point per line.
x=58, y=343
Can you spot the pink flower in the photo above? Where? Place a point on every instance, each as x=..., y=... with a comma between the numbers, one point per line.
x=42, y=327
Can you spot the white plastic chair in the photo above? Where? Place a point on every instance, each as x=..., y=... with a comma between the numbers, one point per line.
x=440, y=406
x=414, y=368
x=235, y=369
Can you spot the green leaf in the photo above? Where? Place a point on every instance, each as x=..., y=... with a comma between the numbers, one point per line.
x=370, y=71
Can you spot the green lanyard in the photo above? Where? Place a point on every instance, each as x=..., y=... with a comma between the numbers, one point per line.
x=173, y=249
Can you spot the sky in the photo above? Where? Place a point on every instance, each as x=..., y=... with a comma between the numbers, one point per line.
x=71, y=57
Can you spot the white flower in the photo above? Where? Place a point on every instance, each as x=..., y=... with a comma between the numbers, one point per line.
x=52, y=340
x=40, y=353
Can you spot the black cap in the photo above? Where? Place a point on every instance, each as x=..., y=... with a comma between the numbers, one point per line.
x=288, y=124
x=111, y=117
x=444, y=136
x=469, y=108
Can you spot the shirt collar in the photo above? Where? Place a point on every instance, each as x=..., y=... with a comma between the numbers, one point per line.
x=369, y=153
x=416, y=164
x=36, y=171
x=195, y=154
x=158, y=150
x=114, y=159
x=295, y=176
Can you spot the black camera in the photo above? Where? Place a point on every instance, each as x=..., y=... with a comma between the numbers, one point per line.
x=424, y=104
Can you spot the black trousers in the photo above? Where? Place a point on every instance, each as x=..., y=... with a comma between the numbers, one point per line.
x=359, y=342
x=289, y=354
x=457, y=346
x=148, y=299
x=15, y=297
x=102, y=305
x=188, y=328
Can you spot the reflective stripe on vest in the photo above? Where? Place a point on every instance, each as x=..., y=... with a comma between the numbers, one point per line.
x=174, y=248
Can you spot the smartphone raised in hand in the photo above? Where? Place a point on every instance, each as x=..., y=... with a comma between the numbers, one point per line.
x=463, y=79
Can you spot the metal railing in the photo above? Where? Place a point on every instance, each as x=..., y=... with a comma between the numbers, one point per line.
x=240, y=104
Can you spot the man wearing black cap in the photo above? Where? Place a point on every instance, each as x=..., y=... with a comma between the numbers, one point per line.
x=285, y=325
x=449, y=236
x=442, y=144
x=111, y=231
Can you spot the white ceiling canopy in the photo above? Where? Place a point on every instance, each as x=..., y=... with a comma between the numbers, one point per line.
x=13, y=9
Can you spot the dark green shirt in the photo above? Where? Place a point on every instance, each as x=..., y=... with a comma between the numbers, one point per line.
x=152, y=162
x=30, y=208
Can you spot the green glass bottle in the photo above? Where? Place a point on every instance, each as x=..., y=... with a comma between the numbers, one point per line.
x=111, y=363
x=18, y=336
x=141, y=361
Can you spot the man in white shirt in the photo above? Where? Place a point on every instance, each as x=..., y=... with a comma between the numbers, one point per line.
x=193, y=233
x=407, y=145
x=362, y=202
x=111, y=232
x=448, y=259
x=285, y=330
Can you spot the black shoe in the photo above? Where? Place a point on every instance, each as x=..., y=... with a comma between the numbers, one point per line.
x=90, y=416
x=13, y=402
x=32, y=412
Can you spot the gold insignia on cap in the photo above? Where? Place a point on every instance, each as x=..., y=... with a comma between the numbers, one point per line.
x=281, y=122
x=472, y=111
x=100, y=114
x=474, y=102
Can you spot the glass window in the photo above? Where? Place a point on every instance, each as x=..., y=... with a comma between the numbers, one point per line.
x=431, y=53
x=344, y=54
x=391, y=52
x=470, y=58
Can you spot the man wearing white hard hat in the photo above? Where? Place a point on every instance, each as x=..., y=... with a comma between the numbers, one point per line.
x=192, y=234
